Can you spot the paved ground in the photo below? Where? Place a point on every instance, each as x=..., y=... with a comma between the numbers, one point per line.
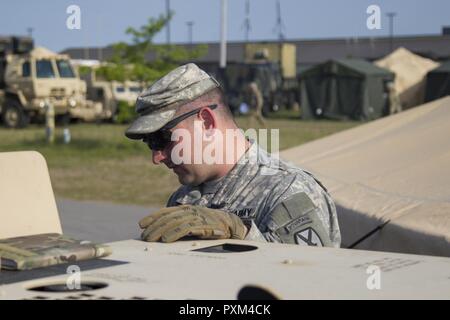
x=100, y=221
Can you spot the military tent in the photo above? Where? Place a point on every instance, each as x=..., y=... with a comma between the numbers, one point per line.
x=344, y=89
x=438, y=82
x=395, y=170
x=410, y=73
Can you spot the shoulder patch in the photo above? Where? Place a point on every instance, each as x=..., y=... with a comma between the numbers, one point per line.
x=300, y=221
x=296, y=220
x=308, y=237
x=292, y=210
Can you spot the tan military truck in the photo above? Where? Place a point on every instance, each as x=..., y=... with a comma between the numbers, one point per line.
x=111, y=93
x=31, y=77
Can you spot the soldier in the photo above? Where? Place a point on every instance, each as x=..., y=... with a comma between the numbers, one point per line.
x=250, y=196
x=49, y=121
x=395, y=105
x=256, y=105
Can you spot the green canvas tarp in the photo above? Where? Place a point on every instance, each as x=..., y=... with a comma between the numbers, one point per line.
x=344, y=89
x=438, y=82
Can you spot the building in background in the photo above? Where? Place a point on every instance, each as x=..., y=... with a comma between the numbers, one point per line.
x=311, y=52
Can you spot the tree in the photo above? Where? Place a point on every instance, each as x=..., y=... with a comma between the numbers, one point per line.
x=130, y=61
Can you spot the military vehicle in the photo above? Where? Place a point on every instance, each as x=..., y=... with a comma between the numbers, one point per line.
x=111, y=93
x=207, y=269
x=271, y=66
x=284, y=55
x=32, y=77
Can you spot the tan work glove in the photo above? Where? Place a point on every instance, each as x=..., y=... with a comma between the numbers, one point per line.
x=173, y=223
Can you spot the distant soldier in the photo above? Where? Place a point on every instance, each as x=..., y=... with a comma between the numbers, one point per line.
x=256, y=105
x=251, y=196
x=49, y=121
x=395, y=105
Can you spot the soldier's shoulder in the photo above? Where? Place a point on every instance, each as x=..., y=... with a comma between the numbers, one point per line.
x=283, y=170
x=303, y=181
x=288, y=179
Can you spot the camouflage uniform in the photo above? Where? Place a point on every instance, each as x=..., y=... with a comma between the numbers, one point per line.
x=277, y=201
x=280, y=202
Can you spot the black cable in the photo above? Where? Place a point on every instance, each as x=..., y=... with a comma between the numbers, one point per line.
x=368, y=235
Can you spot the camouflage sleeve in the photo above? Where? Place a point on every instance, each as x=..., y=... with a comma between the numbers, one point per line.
x=296, y=220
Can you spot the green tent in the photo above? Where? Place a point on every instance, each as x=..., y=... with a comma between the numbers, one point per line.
x=344, y=89
x=438, y=82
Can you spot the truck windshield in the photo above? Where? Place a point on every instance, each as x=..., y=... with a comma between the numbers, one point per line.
x=26, y=70
x=135, y=89
x=44, y=69
x=64, y=69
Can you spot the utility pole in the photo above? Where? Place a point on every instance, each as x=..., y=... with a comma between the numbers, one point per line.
x=279, y=27
x=223, y=35
x=391, y=16
x=247, y=25
x=190, y=25
x=168, y=22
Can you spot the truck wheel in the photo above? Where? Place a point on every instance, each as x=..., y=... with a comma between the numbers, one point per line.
x=14, y=116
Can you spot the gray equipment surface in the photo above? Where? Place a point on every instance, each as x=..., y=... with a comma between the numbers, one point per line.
x=100, y=221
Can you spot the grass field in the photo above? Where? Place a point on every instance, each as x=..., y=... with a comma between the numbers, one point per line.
x=101, y=164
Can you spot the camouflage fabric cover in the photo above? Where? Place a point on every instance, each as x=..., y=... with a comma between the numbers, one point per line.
x=157, y=105
x=281, y=202
x=29, y=252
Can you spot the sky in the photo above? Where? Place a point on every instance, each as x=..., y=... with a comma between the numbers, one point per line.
x=104, y=21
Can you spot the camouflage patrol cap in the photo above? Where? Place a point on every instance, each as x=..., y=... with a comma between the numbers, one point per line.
x=157, y=105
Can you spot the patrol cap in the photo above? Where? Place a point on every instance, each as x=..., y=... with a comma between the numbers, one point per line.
x=157, y=105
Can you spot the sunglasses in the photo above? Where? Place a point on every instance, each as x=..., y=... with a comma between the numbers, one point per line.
x=159, y=140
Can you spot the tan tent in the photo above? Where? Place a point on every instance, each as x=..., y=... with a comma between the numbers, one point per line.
x=410, y=72
x=394, y=169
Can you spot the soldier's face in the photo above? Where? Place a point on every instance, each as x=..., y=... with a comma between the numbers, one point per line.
x=180, y=155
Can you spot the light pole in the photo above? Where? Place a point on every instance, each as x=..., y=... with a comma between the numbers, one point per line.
x=391, y=16
x=223, y=35
x=190, y=25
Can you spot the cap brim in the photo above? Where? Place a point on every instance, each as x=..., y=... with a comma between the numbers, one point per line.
x=144, y=125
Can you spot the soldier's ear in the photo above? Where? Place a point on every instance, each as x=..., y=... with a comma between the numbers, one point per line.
x=209, y=119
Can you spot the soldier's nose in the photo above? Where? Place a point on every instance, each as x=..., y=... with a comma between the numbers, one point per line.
x=158, y=156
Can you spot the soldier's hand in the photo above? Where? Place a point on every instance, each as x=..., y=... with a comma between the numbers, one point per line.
x=173, y=223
